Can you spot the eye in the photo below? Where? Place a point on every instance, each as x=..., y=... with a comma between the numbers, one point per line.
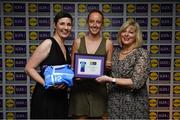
x=99, y=22
x=61, y=23
x=69, y=24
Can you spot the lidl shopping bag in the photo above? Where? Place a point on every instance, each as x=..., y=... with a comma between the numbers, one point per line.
x=59, y=74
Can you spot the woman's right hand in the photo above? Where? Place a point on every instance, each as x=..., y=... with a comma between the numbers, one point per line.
x=104, y=78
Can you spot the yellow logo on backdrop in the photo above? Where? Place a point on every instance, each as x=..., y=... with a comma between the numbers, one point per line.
x=154, y=49
x=106, y=8
x=9, y=89
x=33, y=35
x=82, y=22
x=8, y=21
x=8, y=35
x=155, y=21
x=57, y=8
x=10, y=103
x=81, y=34
x=82, y=8
x=152, y=102
x=177, y=49
x=155, y=8
x=178, y=35
x=153, y=89
x=176, y=115
x=154, y=63
x=8, y=7
x=9, y=49
x=33, y=21
x=10, y=116
x=152, y=115
x=9, y=63
x=177, y=63
x=32, y=7
x=154, y=35
x=153, y=76
x=106, y=35
x=176, y=102
x=177, y=7
x=131, y=8
x=177, y=76
x=177, y=21
x=176, y=89
x=32, y=48
x=10, y=76
x=107, y=22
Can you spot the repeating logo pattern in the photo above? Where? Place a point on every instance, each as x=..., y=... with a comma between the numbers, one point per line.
x=24, y=25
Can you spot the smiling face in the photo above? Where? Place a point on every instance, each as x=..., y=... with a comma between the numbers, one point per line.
x=128, y=36
x=63, y=27
x=95, y=22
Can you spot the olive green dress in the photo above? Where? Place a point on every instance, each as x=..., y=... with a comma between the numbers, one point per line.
x=89, y=97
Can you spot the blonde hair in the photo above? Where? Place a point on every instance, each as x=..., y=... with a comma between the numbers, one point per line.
x=132, y=22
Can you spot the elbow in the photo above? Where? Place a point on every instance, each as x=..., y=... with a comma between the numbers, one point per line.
x=26, y=69
x=138, y=85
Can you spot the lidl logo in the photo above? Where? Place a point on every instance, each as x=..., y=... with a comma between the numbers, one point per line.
x=155, y=8
x=57, y=8
x=106, y=8
x=32, y=7
x=131, y=8
x=82, y=8
x=8, y=7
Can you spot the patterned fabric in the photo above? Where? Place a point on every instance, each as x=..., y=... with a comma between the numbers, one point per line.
x=126, y=103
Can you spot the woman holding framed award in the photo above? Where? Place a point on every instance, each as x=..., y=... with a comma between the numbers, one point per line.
x=88, y=98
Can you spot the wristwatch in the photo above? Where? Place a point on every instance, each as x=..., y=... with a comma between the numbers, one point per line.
x=114, y=80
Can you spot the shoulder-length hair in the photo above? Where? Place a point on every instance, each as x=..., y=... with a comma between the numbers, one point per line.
x=139, y=38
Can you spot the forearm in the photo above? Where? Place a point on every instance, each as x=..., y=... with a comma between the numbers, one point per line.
x=122, y=81
x=35, y=76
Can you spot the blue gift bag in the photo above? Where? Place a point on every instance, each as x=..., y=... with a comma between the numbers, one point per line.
x=55, y=75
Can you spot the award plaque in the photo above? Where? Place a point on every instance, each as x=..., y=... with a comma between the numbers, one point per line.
x=88, y=65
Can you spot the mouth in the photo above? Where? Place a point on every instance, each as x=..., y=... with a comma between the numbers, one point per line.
x=126, y=39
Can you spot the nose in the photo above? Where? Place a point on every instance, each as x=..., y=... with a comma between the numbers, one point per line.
x=66, y=26
x=126, y=34
x=94, y=24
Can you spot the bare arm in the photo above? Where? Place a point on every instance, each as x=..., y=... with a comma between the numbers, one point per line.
x=75, y=47
x=109, y=50
x=38, y=56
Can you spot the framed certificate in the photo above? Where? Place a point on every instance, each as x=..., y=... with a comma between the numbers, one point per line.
x=88, y=66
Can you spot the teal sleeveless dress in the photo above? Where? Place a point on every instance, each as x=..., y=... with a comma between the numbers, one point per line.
x=89, y=97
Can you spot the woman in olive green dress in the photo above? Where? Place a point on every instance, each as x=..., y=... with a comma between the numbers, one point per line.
x=88, y=98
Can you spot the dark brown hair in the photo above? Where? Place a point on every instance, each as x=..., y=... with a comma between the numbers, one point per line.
x=60, y=15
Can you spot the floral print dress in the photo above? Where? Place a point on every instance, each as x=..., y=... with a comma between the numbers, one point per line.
x=129, y=103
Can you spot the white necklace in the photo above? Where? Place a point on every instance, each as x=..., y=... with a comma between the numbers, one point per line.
x=127, y=52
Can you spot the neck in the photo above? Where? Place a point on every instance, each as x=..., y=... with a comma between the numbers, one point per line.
x=127, y=50
x=59, y=39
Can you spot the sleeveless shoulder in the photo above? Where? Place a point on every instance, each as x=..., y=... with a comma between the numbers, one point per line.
x=82, y=46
